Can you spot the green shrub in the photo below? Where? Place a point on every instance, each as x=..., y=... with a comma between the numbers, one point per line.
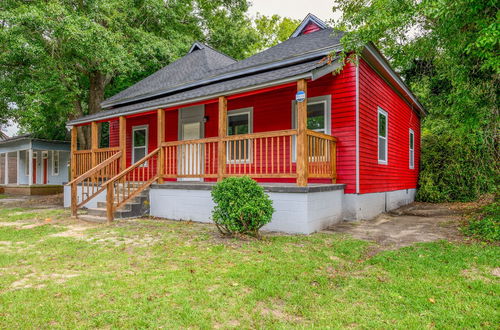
x=486, y=224
x=241, y=206
x=455, y=166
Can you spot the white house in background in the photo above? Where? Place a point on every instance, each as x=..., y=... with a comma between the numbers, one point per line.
x=30, y=166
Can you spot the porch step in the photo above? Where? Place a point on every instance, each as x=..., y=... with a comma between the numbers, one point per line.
x=92, y=218
x=136, y=207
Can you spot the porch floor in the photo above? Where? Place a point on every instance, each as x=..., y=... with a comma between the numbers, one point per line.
x=268, y=186
x=28, y=190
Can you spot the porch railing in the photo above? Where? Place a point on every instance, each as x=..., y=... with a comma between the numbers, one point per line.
x=87, y=159
x=258, y=155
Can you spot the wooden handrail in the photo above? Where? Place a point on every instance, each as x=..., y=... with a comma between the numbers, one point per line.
x=196, y=141
x=286, y=132
x=107, y=149
x=321, y=135
x=87, y=151
x=95, y=169
x=132, y=167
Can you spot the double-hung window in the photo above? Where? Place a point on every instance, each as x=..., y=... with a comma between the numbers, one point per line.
x=139, y=143
x=412, y=149
x=382, y=136
x=55, y=163
x=318, y=120
x=239, y=122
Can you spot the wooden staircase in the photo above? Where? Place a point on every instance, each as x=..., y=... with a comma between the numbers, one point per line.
x=137, y=206
x=126, y=192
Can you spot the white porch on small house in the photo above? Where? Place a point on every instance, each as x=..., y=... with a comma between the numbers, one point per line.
x=31, y=166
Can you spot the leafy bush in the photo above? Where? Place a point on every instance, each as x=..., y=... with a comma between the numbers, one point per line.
x=241, y=206
x=455, y=166
x=485, y=225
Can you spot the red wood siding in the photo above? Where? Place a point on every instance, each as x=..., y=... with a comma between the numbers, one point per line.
x=310, y=27
x=396, y=175
x=114, y=133
x=151, y=121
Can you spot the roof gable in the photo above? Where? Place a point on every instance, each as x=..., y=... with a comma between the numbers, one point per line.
x=199, y=62
x=310, y=24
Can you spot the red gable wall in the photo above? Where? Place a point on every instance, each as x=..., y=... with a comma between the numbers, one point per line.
x=396, y=175
x=310, y=27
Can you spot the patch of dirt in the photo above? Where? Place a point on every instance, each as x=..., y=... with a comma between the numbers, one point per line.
x=277, y=311
x=38, y=281
x=413, y=223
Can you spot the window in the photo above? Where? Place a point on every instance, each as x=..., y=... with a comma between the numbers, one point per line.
x=382, y=136
x=412, y=149
x=55, y=163
x=239, y=122
x=318, y=116
x=139, y=143
x=318, y=120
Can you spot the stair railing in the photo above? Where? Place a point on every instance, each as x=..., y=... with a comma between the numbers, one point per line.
x=131, y=182
x=90, y=182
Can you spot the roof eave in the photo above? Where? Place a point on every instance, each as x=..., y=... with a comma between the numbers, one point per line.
x=371, y=53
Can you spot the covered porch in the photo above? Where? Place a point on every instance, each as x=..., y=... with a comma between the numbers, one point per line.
x=31, y=166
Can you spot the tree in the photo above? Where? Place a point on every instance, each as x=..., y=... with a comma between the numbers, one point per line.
x=273, y=30
x=60, y=58
x=447, y=51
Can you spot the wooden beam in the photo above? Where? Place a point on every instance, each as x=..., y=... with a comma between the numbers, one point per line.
x=221, y=158
x=94, y=142
x=302, y=154
x=74, y=136
x=161, y=139
x=123, y=142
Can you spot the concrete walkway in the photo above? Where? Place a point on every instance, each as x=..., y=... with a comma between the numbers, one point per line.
x=417, y=222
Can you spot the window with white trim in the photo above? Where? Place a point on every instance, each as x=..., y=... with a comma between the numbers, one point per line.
x=139, y=143
x=412, y=149
x=239, y=122
x=55, y=163
x=383, y=123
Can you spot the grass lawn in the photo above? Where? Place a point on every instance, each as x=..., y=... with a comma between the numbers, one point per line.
x=155, y=273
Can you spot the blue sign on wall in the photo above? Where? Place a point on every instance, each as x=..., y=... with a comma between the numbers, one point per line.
x=300, y=96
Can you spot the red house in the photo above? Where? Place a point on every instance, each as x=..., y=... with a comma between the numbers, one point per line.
x=326, y=146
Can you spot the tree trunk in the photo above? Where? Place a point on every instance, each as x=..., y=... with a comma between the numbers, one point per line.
x=98, y=82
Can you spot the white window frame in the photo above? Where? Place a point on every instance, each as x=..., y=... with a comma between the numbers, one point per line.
x=411, y=149
x=140, y=128
x=56, y=169
x=237, y=112
x=327, y=100
x=381, y=111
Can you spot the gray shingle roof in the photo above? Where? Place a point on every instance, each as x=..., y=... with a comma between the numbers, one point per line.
x=191, y=67
x=208, y=90
x=191, y=70
x=206, y=72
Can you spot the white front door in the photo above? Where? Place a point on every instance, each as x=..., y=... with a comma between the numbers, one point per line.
x=190, y=160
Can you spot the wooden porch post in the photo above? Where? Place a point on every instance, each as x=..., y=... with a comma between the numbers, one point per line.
x=94, y=142
x=161, y=139
x=123, y=143
x=30, y=167
x=302, y=167
x=18, y=157
x=221, y=157
x=6, y=168
x=74, y=133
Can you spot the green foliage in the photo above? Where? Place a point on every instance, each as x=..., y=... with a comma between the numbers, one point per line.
x=241, y=206
x=485, y=225
x=59, y=59
x=445, y=176
x=273, y=30
x=447, y=51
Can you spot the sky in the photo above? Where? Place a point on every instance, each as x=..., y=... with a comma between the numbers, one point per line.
x=297, y=9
